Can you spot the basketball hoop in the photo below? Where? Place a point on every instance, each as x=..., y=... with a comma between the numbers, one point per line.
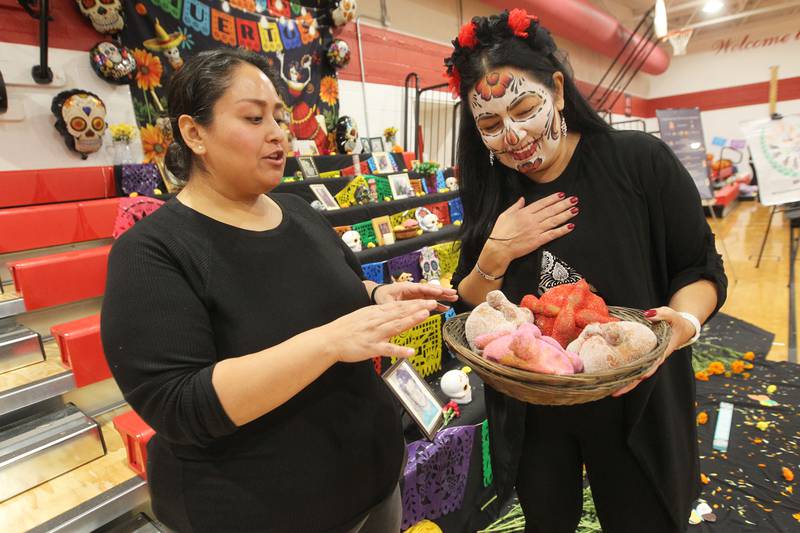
x=679, y=39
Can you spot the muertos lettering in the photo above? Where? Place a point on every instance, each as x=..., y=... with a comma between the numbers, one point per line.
x=516, y=118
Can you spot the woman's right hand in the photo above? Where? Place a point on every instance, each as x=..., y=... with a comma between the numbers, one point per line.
x=521, y=229
x=365, y=333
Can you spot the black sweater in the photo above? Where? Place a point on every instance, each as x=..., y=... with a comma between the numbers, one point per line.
x=185, y=291
x=640, y=236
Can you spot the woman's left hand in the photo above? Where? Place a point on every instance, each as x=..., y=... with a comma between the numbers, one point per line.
x=414, y=291
x=682, y=331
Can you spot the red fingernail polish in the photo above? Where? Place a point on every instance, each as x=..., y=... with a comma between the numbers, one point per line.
x=561, y=195
x=574, y=210
x=574, y=199
x=570, y=226
x=650, y=313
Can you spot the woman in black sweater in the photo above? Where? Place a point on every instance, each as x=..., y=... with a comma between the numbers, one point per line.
x=239, y=326
x=552, y=195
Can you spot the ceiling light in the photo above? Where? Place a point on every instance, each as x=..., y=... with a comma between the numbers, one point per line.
x=660, y=19
x=712, y=6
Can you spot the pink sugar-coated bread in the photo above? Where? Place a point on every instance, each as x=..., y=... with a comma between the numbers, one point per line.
x=526, y=349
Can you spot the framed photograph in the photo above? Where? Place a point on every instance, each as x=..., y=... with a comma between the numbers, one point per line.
x=308, y=167
x=383, y=230
x=401, y=186
x=376, y=144
x=365, y=148
x=306, y=147
x=383, y=163
x=323, y=195
x=416, y=396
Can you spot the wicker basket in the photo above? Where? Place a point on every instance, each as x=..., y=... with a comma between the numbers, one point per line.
x=548, y=389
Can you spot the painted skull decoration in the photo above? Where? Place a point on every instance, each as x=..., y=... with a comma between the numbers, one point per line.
x=81, y=120
x=352, y=239
x=344, y=12
x=455, y=384
x=113, y=62
x=427, y=220
x=429, y=264
x=105, y=15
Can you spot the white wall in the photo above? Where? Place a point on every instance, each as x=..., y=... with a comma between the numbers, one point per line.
x=34, y=141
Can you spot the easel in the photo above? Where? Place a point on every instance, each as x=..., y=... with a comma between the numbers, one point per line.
x=793, y=215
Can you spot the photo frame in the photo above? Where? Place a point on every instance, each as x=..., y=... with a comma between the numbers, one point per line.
x=308, y=167
x=382, y=226
x=306, y=147
x=365, y=147
x=383, y=163
x=418, y=399
x=401, y=186
x=324, y=195
x=376, y=144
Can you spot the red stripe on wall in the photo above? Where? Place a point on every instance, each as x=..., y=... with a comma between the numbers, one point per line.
x=69, y=28
x=742, y=95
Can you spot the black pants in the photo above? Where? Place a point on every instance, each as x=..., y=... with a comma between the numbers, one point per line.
x=559, y=440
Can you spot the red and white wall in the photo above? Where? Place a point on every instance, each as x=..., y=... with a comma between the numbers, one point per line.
x=726, y=74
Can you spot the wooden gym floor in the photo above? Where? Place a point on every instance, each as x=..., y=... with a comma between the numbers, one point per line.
x=757, y=295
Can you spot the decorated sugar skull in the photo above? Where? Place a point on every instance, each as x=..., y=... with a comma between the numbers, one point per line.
x=344, y=12
x=318, y=206
x=429, y=264
x=452, y=183
x=428, y=220
x=105, y=15
x=455, y=384
x=113, y=62
x=81, y=120
x=166, y=43
x=346, y=135
x=352, y=239
x=338, y=53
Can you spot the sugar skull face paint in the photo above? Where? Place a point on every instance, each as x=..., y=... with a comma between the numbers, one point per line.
x=517, y=119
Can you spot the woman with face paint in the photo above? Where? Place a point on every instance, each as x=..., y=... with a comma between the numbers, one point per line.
x=553, y=195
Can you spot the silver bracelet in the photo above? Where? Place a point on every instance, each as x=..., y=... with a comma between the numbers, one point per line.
x=486, y=276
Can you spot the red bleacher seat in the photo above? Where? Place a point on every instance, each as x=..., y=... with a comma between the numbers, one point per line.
x=26, y=228
x=82, y=350
x=61, y=278
x=135, y=434
x=43, y=186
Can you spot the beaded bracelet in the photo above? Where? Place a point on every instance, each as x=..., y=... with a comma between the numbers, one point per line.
x=486, y=276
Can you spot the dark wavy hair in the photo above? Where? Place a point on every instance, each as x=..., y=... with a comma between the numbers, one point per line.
x=195, y=88
x=486, y=190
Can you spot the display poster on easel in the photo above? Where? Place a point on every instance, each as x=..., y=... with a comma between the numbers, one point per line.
x=682, y=130
x=775, y=147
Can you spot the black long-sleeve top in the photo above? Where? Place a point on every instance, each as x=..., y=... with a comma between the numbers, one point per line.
x=639, y=237
x=185, y=291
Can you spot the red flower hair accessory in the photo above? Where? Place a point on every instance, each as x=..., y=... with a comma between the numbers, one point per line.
x=466, y=36
x=453, y=81
x=519, y=21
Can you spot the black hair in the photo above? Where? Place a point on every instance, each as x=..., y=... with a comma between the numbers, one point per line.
x=195, y=88
x=56, y=107
x=485, y=189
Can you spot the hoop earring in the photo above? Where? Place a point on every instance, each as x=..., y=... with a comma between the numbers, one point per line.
x=563, y=125
x=491, y=158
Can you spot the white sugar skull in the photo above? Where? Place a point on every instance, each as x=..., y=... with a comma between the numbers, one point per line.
x=429, y=264
x=105, y=15
x=81, y=119
x=352, y=239
x=455, y=384
x=345, y=12
x=452, y=183
x=428, y=220
x=174, y=57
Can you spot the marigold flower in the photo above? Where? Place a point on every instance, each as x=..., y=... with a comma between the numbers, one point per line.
x=737, y=367
x=702, y=375
x=716, y=368
x=702, y=418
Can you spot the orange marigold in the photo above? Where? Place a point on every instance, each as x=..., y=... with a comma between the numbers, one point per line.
x=704, y=479
x=748, y=366
x=716, y=368
x=702, y=375
x=749, y=356
x=702, y=417
x=737, y=367
x=788, y=475
x=746, y=375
